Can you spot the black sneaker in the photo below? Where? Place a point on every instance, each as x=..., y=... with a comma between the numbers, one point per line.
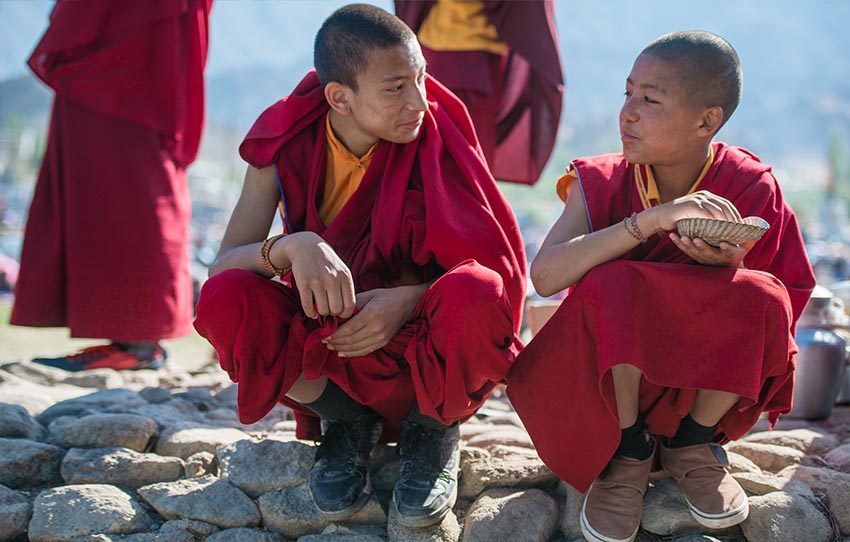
x=427, y=487
x=339, y=479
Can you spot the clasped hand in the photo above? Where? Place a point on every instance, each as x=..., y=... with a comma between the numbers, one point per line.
x=326, y=288
x=381, y=314
x=323, y=280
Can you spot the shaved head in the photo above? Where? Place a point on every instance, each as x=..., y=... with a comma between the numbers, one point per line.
x=709, y=69
x=346, y=39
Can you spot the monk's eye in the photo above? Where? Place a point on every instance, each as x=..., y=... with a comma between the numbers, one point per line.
x=395, y=89
x=649, y=100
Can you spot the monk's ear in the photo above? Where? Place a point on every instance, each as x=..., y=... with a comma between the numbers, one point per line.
x=338, y=97
x=710, y=121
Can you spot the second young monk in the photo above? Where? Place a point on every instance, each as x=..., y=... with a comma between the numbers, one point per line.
x=665, y=344
x=404, y=272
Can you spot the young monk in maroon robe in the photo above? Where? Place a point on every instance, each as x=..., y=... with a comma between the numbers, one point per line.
x=665, y=344
x=105, y=248
x=501, y=58
x=402, y=266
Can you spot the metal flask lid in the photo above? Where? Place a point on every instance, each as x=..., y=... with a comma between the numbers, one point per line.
x=824, y=310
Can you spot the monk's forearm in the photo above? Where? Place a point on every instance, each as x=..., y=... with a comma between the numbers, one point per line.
x=559, y=266
x=418, y=290
x=412, y=296
x=241, y=257
x=248, y=256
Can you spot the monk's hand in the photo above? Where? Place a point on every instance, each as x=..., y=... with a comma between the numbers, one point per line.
x=382, y=313
x=726, y=255
x=702, y=204
x=323, y=280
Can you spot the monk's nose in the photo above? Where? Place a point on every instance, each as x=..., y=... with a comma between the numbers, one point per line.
x=417, y=101
x=627, y=112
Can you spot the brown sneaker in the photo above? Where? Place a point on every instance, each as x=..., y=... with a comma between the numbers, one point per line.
x=613, y=505
x=714, y=498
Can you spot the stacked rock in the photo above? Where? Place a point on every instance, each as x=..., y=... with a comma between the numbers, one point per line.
x=160, y=456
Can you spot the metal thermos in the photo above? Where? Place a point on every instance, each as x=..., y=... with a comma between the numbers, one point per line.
x=824, y=341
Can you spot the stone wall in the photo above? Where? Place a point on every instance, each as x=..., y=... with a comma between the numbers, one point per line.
x=153, y=456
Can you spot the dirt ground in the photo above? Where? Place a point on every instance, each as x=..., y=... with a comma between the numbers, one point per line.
x=21, y=343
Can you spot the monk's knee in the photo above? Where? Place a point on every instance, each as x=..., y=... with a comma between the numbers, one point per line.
x=471, y=298
x=470, y=286
x=228, y=289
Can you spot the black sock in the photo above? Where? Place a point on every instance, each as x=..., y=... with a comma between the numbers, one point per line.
x=426, y=421
x=635, y=441
x=335, y=404
x=691, y=433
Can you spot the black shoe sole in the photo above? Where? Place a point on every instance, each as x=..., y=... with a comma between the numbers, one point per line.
x=433, y=518
x=356, y=506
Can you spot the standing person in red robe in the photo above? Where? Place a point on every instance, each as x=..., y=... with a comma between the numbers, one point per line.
x=402, y=269
x=662, y=338
x=105, y=247
x=501, y=59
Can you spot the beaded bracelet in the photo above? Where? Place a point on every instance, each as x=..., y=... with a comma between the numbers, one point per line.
x=264, y=255
x=631, y=225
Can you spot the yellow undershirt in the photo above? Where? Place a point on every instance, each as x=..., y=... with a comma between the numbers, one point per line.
x=460, y=25
x=344, y=173
x=644, y=180
x=648, y=188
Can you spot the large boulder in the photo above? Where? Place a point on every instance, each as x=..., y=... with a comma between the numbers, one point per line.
x=104, y=431
x=260, y=467
x=119, y=467
x=292, y=512
x=16, y=422
x=781, y=517
x=15, y=513
x=65, y=513
x=502, y=515
x=205, y=499
x=25, y=463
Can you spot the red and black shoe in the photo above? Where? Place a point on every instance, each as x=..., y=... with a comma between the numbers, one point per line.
x=110, y=356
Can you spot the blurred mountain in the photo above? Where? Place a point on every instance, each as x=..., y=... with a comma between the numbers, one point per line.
x=235, y=98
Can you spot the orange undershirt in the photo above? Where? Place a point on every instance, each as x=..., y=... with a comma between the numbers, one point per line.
x=344, y=173
x=644, y=180
x=460, y=25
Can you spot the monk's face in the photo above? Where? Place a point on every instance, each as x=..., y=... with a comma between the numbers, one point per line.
x=658, y=125
x=390, y=100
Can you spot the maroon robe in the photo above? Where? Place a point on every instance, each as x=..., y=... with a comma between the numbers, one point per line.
x=685, y=326
x=514, y=102
x=430, y=204
x=105, y=248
